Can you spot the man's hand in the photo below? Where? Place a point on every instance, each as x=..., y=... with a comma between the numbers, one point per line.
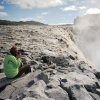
x=18, y=55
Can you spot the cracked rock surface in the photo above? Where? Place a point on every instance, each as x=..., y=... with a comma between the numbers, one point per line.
x=59, y=69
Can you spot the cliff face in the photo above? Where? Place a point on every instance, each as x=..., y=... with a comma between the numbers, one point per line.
x=59, y=70
x=87, y=29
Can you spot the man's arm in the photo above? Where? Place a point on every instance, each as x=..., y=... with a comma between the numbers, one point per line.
x=14, y=61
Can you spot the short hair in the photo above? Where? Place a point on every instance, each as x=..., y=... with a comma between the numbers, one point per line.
x=14, y=51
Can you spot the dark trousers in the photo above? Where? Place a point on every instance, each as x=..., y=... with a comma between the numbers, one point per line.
x=24, y=70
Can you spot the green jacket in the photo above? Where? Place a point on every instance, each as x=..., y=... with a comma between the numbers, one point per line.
x=11, y=65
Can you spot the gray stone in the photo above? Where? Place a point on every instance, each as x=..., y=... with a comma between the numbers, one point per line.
x=37, y=91
x=90, y=74
x=28, y=98
x=57, y=93
x=38, y=85
x=74, y=78
x=53, y=84
x=21, y=82
x=44, y=77
x=50, y=71
x=94, y=96
x=33, y=62
x=63, y=71
x=77, y=92
x=19, y=97
x=61, y=61
x=17, y=93
x=24, y=81
x=7, y=92
x=78, y=78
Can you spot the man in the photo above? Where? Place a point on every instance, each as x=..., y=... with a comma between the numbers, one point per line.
x=13, y=65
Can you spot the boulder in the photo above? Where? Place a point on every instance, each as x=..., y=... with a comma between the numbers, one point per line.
x=37, y=91
x=18, y=93
x=79, y=78
x=7, y=92
x=74, y=78
x=77, y=92
x=57, y=93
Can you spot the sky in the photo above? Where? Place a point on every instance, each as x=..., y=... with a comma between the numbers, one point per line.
x=47, y=11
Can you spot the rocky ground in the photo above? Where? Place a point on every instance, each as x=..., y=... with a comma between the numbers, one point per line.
x=59, y=69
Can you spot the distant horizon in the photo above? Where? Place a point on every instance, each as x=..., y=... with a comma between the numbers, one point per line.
x=35, y=21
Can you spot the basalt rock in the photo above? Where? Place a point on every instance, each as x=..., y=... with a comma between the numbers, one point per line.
x=59, y=69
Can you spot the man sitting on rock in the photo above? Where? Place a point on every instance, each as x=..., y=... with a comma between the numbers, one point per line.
x=13, y=65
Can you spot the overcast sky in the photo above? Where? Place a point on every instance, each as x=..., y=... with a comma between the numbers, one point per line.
x=47, y=11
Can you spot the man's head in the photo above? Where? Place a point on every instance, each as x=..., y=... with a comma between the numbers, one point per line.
x=14, y=51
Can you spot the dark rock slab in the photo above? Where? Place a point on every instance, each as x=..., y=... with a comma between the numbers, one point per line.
x=44, y=77
x=97, y=74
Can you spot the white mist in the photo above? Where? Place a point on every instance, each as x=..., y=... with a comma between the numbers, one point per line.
x=87, y=29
